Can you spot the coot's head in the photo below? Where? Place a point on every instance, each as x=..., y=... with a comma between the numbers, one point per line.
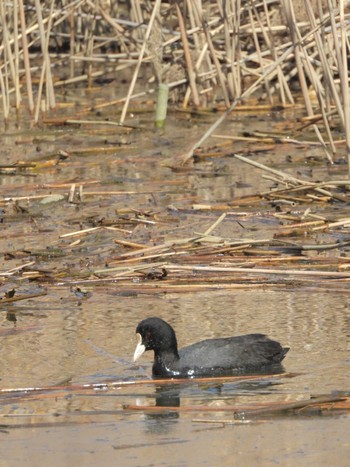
x=155, y=334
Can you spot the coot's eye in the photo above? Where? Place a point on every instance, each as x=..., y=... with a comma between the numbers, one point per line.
x=148, y=335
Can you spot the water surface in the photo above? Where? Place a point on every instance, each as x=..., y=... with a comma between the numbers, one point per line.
x=67, y=338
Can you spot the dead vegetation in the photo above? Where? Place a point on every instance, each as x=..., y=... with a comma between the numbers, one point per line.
x=210, y=54
x=329, y=404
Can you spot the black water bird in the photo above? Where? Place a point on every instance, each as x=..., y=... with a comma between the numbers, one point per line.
x=211, y=357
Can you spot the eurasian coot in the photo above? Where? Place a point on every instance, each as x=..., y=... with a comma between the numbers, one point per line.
x=211, y=357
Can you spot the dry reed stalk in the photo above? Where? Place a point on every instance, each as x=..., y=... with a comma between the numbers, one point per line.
x=295, y=36
x=231, y=25
x=301, y=53
x=192, y=14
x=24, y=198
x=290, y=179
x=80, y=232
x=308, y=186
x=71, y=193
x=268, y=139
x=16, y=56
x=285, y=177
x=187, y=55
x=141, y=55
x=313, y=76
x=325, y=64
x=236, y=50
x=344, y=76
x=4, y=69
x=72, y=44
x=265, y=408
x=298, y=44
x=192, y=285
x=216, y=223
x=245, y=94
x=148, y=257
x=22, y=297
x=257, y=46
x=41, y=104
x=203, y=68
x=89, y=50
x=79, y=79
x=5, y=96
x=284, y=89
x=136, y=15
x=10, y=72
x=227, y=421
x=220, y=74
x=145, y=382
x=129, y=244
x=340, y=223
x=15, y=270
x=228, y=27
x=279, y=272
x=46, y=69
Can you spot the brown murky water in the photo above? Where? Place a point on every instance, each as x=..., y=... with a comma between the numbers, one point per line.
x=64, y=337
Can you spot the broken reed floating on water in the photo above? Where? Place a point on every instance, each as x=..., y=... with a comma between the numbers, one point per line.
x=159, y=382
x=325, y=403
x=203, y=261
x=243, y=414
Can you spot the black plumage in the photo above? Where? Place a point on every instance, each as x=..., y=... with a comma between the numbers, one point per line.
x=210, y=357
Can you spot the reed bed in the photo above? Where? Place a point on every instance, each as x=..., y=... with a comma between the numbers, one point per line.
x=208, y=54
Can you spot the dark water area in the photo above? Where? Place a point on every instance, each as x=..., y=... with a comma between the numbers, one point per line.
x=68, y=337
